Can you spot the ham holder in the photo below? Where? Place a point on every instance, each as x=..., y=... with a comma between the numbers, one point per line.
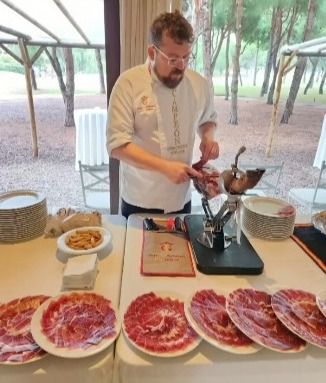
x=214, y=249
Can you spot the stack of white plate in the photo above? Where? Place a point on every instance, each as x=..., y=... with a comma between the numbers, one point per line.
x=23, y=215
x=268, y=218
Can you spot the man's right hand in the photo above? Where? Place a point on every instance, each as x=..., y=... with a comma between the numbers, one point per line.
x=179, y=172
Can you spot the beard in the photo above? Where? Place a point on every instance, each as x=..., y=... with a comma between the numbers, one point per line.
x=173, y=79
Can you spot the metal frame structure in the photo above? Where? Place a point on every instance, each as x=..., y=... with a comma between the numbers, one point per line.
x=18, y=36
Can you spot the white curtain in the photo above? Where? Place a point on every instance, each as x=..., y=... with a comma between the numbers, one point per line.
x=136, y=17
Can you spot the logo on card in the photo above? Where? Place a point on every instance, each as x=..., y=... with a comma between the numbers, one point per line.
x=166, y=246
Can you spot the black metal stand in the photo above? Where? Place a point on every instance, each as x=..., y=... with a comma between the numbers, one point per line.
x=232, y=260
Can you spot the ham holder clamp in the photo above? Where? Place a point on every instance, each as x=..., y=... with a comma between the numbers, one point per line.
x=215, y=252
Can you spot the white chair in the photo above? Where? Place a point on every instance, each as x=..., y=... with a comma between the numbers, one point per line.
x=312, y=198
x=268, y=184
x=95, y=186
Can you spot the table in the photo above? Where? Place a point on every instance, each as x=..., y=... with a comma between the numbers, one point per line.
x=285, y=265
x=321, y=149
x=91, y=137
x=32, y=268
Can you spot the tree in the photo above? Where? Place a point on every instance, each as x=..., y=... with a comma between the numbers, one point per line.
x=68, y=89
x=276, y=37
x=37, y=62
x=268, y=65
x=236, y=62
x=291, y=15
x=284, y=24
x=300, y=66
x=215, y=18
x=314, y=62
x=100, y=70
x=322, y=82
x=227, y=64
x=256, y=65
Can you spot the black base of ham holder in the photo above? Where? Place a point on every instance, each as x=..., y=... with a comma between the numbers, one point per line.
x=234, y=260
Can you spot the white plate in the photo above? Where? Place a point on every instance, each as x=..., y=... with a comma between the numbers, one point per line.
x=63, y=257
x=319, y=221
x=36, y=358
x=48, y=346
x=22, y=303
x=239, y=322
x=61, y=242
x=267, y=227
x=292, y=321
x=266, y=206
x=321, y=302
x=19, y=199
x=250, y=349
x=170, y=354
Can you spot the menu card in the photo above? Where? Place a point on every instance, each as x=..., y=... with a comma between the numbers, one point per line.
x=166, y=253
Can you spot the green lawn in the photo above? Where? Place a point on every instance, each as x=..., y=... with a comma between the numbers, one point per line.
x=254, y=92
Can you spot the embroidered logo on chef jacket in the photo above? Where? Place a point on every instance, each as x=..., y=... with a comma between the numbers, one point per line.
x=146, y=105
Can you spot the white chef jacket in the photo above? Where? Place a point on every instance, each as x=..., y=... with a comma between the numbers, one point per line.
x=140, y=111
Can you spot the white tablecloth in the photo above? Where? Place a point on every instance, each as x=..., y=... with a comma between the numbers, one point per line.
x=91, y=136
x=321, y=149
x=285, y=265
x=32, y=268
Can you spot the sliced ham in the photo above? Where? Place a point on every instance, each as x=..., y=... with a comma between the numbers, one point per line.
x=252, y=313
x=299, y=312
x=158, y=325
x=16, y=342
x=78, y=320
x=207, y=309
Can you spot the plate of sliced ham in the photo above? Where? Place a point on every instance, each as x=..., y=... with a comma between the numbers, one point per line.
x=155, y=323
x=17, y=345
x=206, y=313
x=298, y=311
x=321, y=302
x=252, y=313
x=76, y=324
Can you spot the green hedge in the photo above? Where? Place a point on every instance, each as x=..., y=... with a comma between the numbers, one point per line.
x=11, y=67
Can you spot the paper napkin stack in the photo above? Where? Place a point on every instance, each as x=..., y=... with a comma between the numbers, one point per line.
x=80, y=272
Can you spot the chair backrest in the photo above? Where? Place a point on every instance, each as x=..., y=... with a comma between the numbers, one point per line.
x=321, y=182
x=95, y=185
x=271, y=178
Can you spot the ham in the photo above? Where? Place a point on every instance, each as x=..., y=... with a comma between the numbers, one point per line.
x=298, y=310
x=158, y=325
x=252, y=313
x=16, y=341
x=78, y=320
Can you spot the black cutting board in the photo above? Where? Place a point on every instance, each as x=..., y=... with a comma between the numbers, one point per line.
x=235, y=260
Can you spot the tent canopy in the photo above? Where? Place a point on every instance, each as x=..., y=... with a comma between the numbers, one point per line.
x=69, y=23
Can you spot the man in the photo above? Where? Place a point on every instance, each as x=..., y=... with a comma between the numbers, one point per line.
x=154, y=112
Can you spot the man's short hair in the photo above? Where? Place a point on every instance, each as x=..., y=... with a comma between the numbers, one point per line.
x=176, y=26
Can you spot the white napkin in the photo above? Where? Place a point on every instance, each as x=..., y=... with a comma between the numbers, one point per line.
x=80, y=272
